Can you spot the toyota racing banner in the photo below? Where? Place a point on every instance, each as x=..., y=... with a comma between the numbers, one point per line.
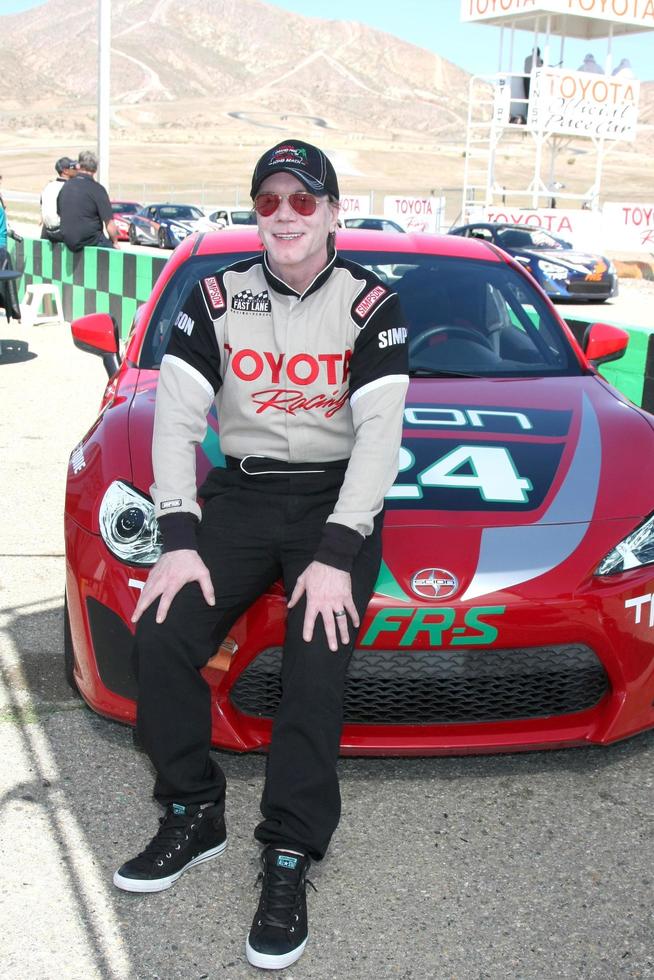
x=629, y=226
x=582, y=228
x=354, y=205
x=416, y=213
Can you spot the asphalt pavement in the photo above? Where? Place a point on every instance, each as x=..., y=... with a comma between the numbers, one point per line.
x=529, y=866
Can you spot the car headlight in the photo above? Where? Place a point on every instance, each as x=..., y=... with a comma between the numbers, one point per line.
x=128, y=525
x=178, y=230
x=635, y=550
x=552, y=270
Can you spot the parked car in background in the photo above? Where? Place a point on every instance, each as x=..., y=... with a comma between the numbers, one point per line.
x=373, y=222
x=226, y=217
x=123, y=211
x=165, y=225
x=513, y=609
x=563, y=271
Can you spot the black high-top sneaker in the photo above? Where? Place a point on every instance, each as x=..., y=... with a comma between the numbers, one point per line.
x=187, y=835
x=279, y=929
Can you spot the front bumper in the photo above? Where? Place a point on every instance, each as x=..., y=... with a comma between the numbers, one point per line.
x=582, y=289
x=604, y=694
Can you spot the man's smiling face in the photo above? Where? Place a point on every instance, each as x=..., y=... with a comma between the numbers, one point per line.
x=296, y=244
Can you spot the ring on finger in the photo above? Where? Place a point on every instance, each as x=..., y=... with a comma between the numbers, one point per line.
x=340, y=613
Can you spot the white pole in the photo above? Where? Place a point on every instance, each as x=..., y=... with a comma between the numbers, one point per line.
x=104, y=70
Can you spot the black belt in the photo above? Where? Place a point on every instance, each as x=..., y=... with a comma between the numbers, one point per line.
x=254, y=465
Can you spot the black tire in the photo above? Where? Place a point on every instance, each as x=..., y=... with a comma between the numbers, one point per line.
x=69, y=656
x=131, y=234
x=162, y=238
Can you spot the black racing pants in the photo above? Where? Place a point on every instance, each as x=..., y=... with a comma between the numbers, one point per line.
x=254, y=530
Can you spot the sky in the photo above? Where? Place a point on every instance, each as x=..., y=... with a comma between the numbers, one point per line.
x=435, y=25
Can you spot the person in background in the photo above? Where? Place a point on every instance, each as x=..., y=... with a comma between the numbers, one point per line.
x=624, y=69
x=301, y=498
x=50, y=229
x=589, y=64
x=84, y=208
x=8, y=292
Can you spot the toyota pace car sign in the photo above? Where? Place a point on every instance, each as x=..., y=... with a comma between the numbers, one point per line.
x=583, y=104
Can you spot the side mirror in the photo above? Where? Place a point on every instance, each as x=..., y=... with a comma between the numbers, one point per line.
x=604, y=343
x=97, y=333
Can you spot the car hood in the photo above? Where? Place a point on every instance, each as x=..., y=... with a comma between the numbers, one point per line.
x=577, y=261
x=555, y=450
x=500, y=481
x=490, y=451
x=191, y=224
x=513, y=488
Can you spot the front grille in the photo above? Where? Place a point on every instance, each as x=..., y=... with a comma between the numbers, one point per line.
x=429, y=687
x=591, y=288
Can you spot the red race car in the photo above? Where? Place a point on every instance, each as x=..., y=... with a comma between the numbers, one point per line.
x=123, y=211
x=514, y=608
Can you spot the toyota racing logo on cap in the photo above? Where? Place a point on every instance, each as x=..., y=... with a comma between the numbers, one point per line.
x=434, y=583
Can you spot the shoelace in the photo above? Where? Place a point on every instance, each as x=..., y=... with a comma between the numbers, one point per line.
x=279, y=897
x=173, y=830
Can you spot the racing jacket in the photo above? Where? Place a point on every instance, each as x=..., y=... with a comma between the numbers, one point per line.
x=314, y=377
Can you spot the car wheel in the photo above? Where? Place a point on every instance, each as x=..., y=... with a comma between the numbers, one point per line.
x=69, y=657
x=162, y=238
x=131, y=234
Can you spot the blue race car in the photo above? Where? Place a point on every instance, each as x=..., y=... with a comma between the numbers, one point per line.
x=165, y=225
x=561, y=270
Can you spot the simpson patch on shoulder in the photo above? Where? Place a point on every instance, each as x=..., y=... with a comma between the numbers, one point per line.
x=372, y=297
x=214, y=293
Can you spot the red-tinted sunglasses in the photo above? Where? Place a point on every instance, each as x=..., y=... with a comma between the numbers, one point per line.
x=301, y=202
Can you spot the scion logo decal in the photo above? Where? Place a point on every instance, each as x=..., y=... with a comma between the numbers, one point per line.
x=247, y=302
x=434, y=583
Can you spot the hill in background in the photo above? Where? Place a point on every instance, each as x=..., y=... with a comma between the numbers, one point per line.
x=200, y=87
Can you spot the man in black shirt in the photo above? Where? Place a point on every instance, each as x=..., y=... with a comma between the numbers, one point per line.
x=84, y=208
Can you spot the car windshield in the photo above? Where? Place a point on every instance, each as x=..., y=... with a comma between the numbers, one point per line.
x=180, y=212
x=124, y=207
x=528, y=238
x=465, y=317
x=244, y=217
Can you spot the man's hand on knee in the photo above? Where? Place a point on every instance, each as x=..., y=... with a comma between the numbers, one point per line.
x=173, y=571
x=329, y=594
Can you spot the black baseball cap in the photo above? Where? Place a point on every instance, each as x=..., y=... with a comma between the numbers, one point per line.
x=65, y=163
x=306, y=162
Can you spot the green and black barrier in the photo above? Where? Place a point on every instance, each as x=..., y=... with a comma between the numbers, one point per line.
x=106, y=280
x=95, y=280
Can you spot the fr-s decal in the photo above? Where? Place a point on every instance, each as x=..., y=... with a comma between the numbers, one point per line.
x=440, y=626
